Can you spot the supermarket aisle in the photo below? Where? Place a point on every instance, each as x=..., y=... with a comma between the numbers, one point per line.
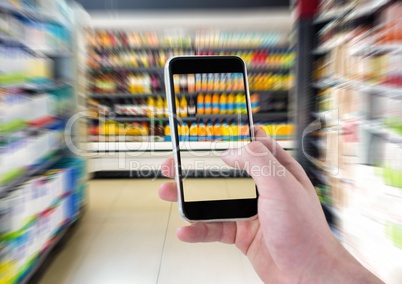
x=121, y=239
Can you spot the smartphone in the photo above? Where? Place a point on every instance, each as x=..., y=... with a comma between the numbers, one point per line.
x=223, y=114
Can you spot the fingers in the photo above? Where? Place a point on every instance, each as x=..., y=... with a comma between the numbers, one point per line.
x=168, y=191
x=168, y=168
x=283, y=157
x=224, y=232
x=273, y=180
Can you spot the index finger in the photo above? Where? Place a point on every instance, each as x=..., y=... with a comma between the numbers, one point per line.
x=168, y=168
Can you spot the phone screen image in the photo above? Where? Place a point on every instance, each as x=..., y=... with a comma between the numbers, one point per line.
x=212, y=108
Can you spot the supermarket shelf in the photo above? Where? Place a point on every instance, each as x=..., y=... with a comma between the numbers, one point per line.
x=268, y=70
x=167, y=146
x=123, y=96
x=332, y=15
x=58, y=236
x=144, y=48
x=122, y=68
x=377, y=128
x=139, y=119
x=376, y=49
x=133, y=96
x=235, y=49
x=30, y=14
x=37, y=170
x=256, y=116
x=366, y=10
x=161, y=70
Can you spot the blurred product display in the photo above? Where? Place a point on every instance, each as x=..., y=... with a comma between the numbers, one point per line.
x=125, y=78
x=42, y=186
x=356, y=148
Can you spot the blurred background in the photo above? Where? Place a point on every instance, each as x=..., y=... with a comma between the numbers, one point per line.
x=84, y=129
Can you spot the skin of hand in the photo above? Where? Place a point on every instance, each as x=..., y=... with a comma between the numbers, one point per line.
x=289, y=241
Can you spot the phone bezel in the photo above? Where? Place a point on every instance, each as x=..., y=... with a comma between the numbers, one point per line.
x=216, y=210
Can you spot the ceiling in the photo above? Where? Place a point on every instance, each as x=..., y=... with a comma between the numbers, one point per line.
x=103, y=5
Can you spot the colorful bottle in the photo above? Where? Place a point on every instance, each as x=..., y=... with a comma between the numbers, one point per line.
x=200, y=104
x=231, y=104
x=223, y=104
x=244, y=132
x=194, y=132
x=255, y=103
x=234, y=131
x=185, y=131
x=209, y=131
x=183, y=107
x=191, y=107
x=168, y=137
x=180, y=132
x=191, y=83
x=177, y=105
x=166, y=109
x=226, y=131
x=159, y=107
x=238, y=103
x=208, y=104
x=202, y=133
x=151, y=107
x=217, y=131
x=215, y=104
x=243, y=105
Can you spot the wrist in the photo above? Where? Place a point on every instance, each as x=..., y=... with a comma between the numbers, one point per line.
x=336, y=265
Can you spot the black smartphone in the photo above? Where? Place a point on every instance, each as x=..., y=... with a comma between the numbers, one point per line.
x=222, y=115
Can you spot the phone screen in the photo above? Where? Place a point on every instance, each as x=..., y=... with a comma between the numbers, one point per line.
x=212, y=108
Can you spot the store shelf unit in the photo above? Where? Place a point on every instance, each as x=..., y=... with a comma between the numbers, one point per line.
x=140, y=84
x=350, y=123
x=37, y=91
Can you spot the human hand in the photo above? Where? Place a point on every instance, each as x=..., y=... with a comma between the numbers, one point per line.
x=290, y=240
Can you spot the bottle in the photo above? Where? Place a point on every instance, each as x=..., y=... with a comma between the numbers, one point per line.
x=160, y=130
x=202, y=131
x=194, y=132
x=166, y=110
x=152, y=130
x=244, y=132
x=243, y=104
x=191, y=107
x=183, y=107
x=234, y=131
x=176, y=84
x=209, y=131
x=167, y=133
x=215, y=104
x=185, y=132
x=231, y=104
x=198, y=83
x=179, y=132
x=200, y=104
x=217, y=133
x=151, y=107
x=223, y=104
x=238, y=103
x=255, y=103
x=191, y=83
x=226, y=131
x=208, y=104
x=159, y=107
x=177, y=107
x=145, y=129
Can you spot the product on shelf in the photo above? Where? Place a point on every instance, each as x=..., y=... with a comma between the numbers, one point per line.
x=266, y=58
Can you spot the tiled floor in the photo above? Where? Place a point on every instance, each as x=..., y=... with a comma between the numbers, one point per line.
x=128, y=235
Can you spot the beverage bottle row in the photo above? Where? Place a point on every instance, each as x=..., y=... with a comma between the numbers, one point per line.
x=208, y=39
x=203, y=130
x=257, y=59
x=133, y=59
x=126, y=82
x=227, y=82
x=107, y=39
